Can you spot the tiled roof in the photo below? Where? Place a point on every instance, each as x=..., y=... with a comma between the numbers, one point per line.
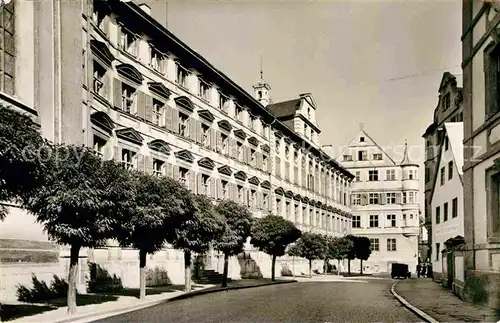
x=455, y=131
x=285, y=108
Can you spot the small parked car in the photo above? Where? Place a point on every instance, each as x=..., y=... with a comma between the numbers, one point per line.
x=400, y=271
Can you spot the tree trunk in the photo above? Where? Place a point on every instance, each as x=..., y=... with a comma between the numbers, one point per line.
x=293, y=266
x=273, y=268
x=348, y=267
x=310, y=268
x=187, y=271
x=226, y=270
x=142, y=274
x=338, y=267
x=73, y=270
x=361, y=267
x=325, y=267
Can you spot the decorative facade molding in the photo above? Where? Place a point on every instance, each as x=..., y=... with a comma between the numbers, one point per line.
x=279, y=191
x=240, y=134
x=206, y=163
x=289, y=194
x=240, y=175
x=102, y=51
x=159, y=89
x=130, y=134
x=160, y=146
x=226, y=170
x=266, y=185
x=265, y=147
x=103, y=121
x=130, y=72
x=225, y=125
x=184, y=102
x=305, y=199
x=207, y=115
x=185, y=155
x=253, y=141
x=254, y=180
x=278, y=134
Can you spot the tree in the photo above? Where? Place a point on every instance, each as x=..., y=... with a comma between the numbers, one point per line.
x=77, y=203
x=158, y=209
x=310, y=246
x=238, y=223
x=351, y=254
x=338, y=248
x=21, y=156
x=201, y=228
x=272, y=234
x=363, y=250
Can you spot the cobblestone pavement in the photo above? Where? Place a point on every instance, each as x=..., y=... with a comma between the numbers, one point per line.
x=441, y=304
x=323, y=301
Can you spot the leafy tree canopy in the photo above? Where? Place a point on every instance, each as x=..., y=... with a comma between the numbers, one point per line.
x=272, y=234
x=339, y=247
x=311, y=246
x=352, y=252
x=238, y=222
x=201, y=226
x=77, y=202
x=363, y=248
x=21, y=156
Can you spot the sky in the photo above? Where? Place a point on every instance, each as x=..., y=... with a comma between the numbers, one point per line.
x=377, y=63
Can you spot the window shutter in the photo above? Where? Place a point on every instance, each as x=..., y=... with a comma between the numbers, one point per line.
x=176, y=172
x=212, y=188
x=106, y=86
x=213, y=139
x=233, y=147
x=193, y=129
x=117, y=93
x=218, y=143
x=140, y=163
x=141, y=105
x=192, y=181
x=175, y=120
x=219, y=189
x=117, y=154
x=278, y=166
x=258, y=160
x=260, y=198
x=247, y=154
x=200, y=182
x=148, y=108
x=198, y=132
x=149, y=165
x=170, y=170
x=168, y=117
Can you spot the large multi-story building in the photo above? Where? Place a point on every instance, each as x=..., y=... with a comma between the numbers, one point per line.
x=447, y=201
x=448, y=109
x=384, y=202
x=481, y=75
x=125, y=85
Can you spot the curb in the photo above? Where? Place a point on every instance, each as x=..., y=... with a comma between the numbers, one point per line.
x=90, y=317
x=412, y=308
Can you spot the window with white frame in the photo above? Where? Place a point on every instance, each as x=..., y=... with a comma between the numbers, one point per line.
x=253, y=198
x=347, y=157
x=253, y=157
x=374, y=244
x=238, y=113
x=264, y=162
x=356, y=221
x=128, y=159
x=252, y=122
x=356, y=199
x=204, y=90
x=265, y=130
x=158, y=110
x=182, y=75
x=373, y=198
x=373, y=221
x=205, y=187
x=411, y=174
x=158, y=169
x=99, y=144
x=265, y=200
x=223, y=102
x=391, y=198
x=390, y=175
x=391, y=218
x=404, y=219
x=128, y=41
x=240, y=149
x=377, y=156
x=99, y=72
x=278, y=207
x=411, y=197
x=183, y=174
x=373, y=175
x=358, y=176
x=225, y=145
x=391, y=244
x=183, y=125
x=287, y=210
x=224, y=186
x=128, y=98
x=157, y=60
x=205, y=135
x=240, y=193
x=362, y=155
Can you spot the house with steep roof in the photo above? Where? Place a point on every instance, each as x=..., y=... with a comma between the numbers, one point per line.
x=447, y=199
x=384, y=202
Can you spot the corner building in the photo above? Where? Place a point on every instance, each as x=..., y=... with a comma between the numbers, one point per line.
x=384, y=199
x=147, y=100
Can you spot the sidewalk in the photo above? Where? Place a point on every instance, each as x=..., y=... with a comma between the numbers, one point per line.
x=123, y=304
x=440, y=303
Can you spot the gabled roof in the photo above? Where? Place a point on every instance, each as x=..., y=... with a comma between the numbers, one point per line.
x=371, y=142
x=447, y=77
x=285, y=108
x=455, y=131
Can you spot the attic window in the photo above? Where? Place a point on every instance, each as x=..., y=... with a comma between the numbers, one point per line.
x=362, y=139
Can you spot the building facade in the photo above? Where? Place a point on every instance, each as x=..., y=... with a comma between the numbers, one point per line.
x=480, y=54
x=448, y=109
x=447, y=198
x=141, y=96
x=384, y=202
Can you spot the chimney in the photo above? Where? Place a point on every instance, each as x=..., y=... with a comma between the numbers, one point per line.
x=145, y=8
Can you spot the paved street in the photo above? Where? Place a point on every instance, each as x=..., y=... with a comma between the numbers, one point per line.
x=321, y=301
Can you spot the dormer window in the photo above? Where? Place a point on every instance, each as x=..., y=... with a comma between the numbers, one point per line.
x=347, y=157
x=99, y=73
x=204, y=90
x=128, y=41
x=377, y=156
x=362, y=155
x=223, y=102
x=157, y=60
x=158, y=109
x=182, y=75
x=128, y=98
x=361, y=139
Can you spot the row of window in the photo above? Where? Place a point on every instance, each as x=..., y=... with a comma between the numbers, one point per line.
x=321, y=220
x=363, y=156
x=374, y=221
x=390, y=244
x=390, y=175
x=454, y=211
x=384, y=198
x=450, y=172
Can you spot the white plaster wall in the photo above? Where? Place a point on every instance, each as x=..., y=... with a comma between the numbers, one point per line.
x=459, y=268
